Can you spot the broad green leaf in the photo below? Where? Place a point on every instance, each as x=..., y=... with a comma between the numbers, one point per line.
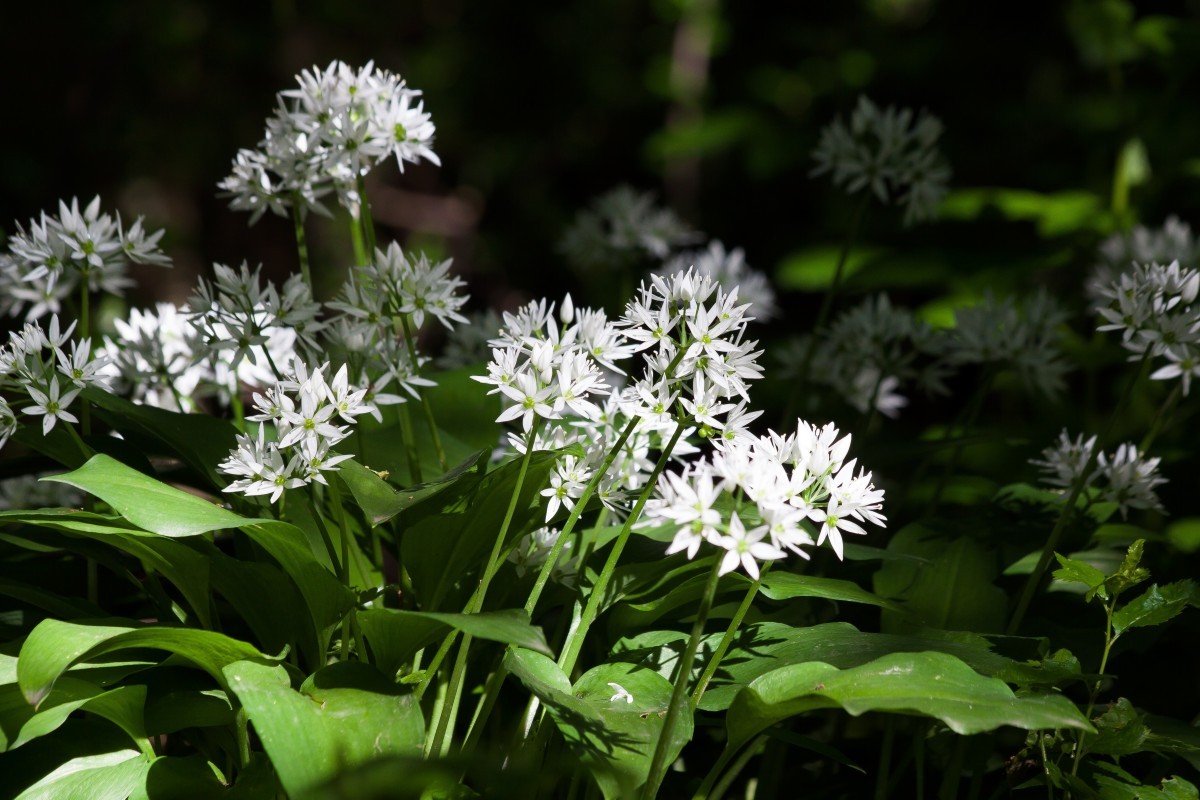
x=326, y=599
x=197, y=708
x=53, y=647
x=632, y=702
x=345, y=714
x=1155, y=606
x=380, y=502
x=123, y=706
x=762, y=647
x=1173, y=788
x=395, y=636
x=175, y=560
x=56, y=605
x=147, y=503
x=953, y=591
x=779, y=585
x=442, y=550
x=201, y=440
x=108, y=776
x=190, y=777
x=923, y=684
x=1120, y=731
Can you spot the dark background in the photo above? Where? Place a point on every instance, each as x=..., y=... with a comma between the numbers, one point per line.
x=541, y=106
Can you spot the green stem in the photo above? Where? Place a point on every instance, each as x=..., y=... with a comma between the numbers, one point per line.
x=1060, y=524
x=1094, y=689
x=738, y=765
x=356, y=238
x=445, y=726
x=410, y=342
x=364, y=214
x=970, y=416
x=302, y=243
x=410, y=444
x=339, y=515
x=570, y=653
x=658, y=766
x=552, y=559
x=834, y=286
x=727, y=640
x=497, y=680
x=1161, y=418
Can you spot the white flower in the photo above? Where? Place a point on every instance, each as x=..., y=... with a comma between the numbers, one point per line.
x=746, y=548
x=1064, y=462
x=619, y=693
x=50, y=404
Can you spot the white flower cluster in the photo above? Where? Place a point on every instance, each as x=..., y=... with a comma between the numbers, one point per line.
x=368, y=326
x=1125, y=477
x=532, y=550
x=753, y=498
x=47, y=261
x=1154, y=309
x=1021, y=333
x=37, y=363
x=728, y=269
x=1141, y=245
x=304, y=411
x=623, y=227
x=870, y=353
x=155, y=359
x=338, y=125
x=892, y=152
x=547, y=365
x=241, y=322
x=698, y=360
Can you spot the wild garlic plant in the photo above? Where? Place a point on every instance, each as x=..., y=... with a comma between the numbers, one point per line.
x=597, y=565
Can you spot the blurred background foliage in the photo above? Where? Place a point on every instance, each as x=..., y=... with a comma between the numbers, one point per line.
x=540, y=107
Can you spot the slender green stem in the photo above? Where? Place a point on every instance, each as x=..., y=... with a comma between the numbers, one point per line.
x=552, y=559
x=1161, y=418
x=738, y=765
x=356, y=238
x=1060, y=524
x=410, y=444
x=679, y=704
x=970, y=415
x=85, y=326
x=834, y=286
x=84, y=450
x=574, y=644
x=723, y=647
x=1094, y=690
x=339, y=515
x=411, y=343
x=243, y=737
x=364, y=214
x=492, y=690
x=302, y=243
x=444, y=731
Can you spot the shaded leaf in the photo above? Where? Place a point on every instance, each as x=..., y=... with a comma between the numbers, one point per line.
x=108, y=776
x=1156, y=605
x=395, y=635
x=929, y=684
x=54, y=646
x=380, y=502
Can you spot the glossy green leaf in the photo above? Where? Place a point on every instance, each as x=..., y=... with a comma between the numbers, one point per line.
x=147, y=503
x=395, y=636
x=929, y=684
x=762, y=647
x=632, y=702
x=107, y=776
x=344, y=715
x=189, y=777
x=779, y=585
x=1120, y=730
x=122, y=706
x=380, y=502
x=53, y=647
x=1156, y=605
x=952, y=591
x=201, y=440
